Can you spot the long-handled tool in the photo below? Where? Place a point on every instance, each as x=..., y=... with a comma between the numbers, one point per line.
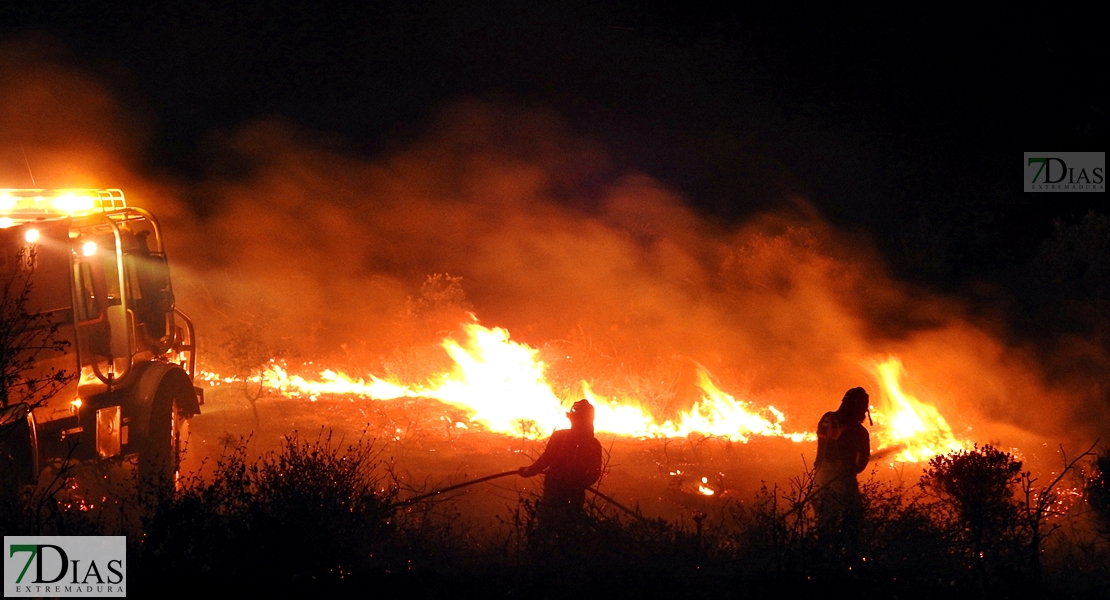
x=458, y=486
x=617, y=504
x=882, y=453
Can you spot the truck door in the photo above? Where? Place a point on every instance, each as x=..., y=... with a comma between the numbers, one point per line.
x=104, y=326
x=149, y=295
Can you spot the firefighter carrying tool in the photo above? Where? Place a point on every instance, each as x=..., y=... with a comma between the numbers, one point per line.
x=571, y=463
x=96, y=272
x=843, y=451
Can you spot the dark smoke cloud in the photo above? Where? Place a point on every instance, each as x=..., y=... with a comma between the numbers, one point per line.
x=324, y=252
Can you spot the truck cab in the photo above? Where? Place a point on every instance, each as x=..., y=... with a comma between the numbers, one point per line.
x=97, y=359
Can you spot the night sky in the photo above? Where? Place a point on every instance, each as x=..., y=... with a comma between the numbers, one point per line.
x=906, y=123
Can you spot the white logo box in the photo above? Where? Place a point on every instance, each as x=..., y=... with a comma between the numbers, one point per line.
x=65, y=566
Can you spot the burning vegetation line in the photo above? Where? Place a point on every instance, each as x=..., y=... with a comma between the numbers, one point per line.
x=501, y=385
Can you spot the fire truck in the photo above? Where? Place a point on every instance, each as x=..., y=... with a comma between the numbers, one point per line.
x=87, y=275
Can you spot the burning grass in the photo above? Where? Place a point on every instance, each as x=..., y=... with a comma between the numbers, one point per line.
x=504, y=386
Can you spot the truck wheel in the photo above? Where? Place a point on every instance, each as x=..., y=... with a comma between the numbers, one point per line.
x=160, y=455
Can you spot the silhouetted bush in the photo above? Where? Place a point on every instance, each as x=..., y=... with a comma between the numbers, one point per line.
x=776, y=534
x=316, y=518
x=899, y=536
x=57, y=506
x=977, y=507
x=1098, y=489
x=310, y=512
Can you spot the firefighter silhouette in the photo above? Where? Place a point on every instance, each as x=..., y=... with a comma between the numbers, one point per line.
x=843, y=449
x=570, y=463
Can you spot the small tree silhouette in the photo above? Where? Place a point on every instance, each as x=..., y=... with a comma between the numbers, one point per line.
x=1043, y=509
x=977, y=485
x=250, y=350
x=438, y=310
x=27, y=339
x=1098, y=490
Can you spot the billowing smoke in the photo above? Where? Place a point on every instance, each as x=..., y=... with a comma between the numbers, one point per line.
x=326, y=254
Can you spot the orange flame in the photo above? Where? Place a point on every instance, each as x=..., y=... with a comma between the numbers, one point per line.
x=501, y=385
x=916, y=430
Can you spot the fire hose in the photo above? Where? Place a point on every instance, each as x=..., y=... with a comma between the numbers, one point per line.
x=881, y=453
x=458, y=486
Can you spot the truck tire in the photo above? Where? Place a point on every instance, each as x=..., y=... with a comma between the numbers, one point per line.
x=160, y=454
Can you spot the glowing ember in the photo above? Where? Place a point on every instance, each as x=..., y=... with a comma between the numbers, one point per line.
x=917, y=430
x=704, y=488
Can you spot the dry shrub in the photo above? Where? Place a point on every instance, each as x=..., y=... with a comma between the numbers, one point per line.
x=312, y=512
x=977, y=508
x=1098, y=491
